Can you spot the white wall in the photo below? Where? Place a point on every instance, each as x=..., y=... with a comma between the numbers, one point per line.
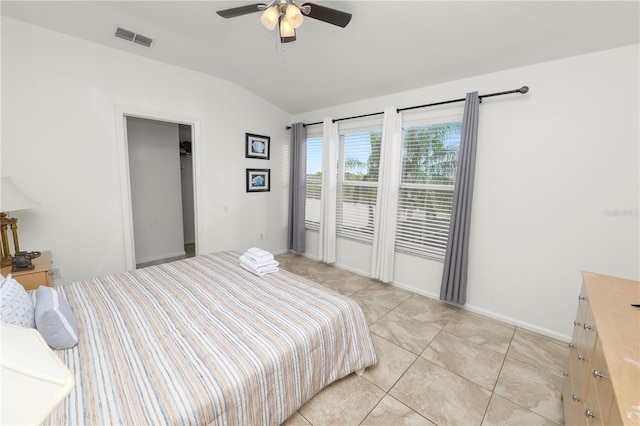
x=188, y=213
x=59, y=144
x=156, y=190
x=553, y=167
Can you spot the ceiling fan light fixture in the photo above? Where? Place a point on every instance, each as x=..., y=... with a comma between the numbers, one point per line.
x=294, y=15
x=270, y=17
x=286, y=29
x=288, y=16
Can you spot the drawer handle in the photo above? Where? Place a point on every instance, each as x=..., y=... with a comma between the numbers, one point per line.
x=582, y=357
x=582, y=297
x=589, y=413
x=577, y=324
x=588, y=327
x=598, y=374
x=571, y=345
x=565, y=374
x=576, y=398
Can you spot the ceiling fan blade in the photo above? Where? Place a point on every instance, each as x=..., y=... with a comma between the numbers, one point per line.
x=239, y=11
x=329, y=15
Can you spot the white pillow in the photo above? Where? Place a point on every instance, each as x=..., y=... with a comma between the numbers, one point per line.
x=17, y=308
x=55, y=320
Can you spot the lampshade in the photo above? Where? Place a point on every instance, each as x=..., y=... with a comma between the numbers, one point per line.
x=286, y=29
x=294, y=16
x=12, y=198
x=34, y=380
x=269, y=17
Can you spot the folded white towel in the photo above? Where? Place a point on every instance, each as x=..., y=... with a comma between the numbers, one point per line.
x=260, y=253
x=265, y=265
x=258, y=261
x=260, y=273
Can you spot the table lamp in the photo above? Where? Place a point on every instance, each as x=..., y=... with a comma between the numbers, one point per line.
x=11, y=199
x=33, y=379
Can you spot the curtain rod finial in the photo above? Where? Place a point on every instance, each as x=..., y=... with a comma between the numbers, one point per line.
x=523, y=89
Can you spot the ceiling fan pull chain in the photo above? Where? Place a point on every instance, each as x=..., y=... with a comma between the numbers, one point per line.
x=276, y=40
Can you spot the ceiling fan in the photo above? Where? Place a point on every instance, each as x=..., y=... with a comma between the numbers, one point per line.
x=288, y=15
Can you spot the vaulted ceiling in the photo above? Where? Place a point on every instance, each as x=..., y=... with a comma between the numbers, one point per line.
x=388, y=47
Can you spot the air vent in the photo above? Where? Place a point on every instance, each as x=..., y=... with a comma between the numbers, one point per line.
x=131, y=36
x=140, y=39
x=125, y=34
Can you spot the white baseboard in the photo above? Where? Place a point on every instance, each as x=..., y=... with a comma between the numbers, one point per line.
x=470, y=308
x=492, y=315
x=354, y=270
x=160, y=257
x=275, y=253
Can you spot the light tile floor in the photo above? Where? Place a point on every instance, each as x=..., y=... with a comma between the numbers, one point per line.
x=437, y=364
x=189, y=250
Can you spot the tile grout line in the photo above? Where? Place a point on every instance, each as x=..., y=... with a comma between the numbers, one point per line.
x=495, y=383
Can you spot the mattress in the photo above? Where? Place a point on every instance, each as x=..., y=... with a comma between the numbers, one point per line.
x=202, y=341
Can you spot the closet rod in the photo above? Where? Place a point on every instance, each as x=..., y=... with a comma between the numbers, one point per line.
x=523, y=90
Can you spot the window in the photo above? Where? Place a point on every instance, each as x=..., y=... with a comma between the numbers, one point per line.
x=358, y=164
x=429, y=160
x=314, y=183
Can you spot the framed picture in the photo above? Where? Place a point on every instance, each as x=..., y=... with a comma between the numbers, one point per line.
x=258, y=180
x=257, y=146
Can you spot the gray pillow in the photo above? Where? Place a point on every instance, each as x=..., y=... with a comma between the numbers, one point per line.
x=17, y=307
x=55, y=320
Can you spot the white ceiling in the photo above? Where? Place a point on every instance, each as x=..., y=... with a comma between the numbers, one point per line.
x=389, y=46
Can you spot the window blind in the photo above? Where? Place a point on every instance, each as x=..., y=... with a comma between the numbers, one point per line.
x=359, y=160
x=429, y=160
x=314, y=183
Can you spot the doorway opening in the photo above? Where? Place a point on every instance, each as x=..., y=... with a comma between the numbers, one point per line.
x=159, y=182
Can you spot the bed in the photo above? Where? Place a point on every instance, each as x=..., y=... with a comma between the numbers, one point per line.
x=203, y=341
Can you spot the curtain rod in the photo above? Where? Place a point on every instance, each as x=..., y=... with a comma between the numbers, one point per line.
x=523, y=90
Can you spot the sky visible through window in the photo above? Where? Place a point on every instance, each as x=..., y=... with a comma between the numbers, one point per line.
x=314, y=155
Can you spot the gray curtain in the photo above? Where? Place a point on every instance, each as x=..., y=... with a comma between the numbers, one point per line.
x=454, y=276
x=297, y=187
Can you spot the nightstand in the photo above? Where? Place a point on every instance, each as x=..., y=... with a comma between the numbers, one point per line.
x=39, y=275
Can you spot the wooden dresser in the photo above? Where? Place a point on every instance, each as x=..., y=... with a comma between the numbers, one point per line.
x=602, y=383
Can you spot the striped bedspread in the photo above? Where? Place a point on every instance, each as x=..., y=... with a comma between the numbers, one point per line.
x=202, y=341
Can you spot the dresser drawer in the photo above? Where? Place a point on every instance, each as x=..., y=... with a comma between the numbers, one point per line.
x=582, y=359
x=583, y=304
x=601, y=382
x=572, y=408
x=578, y=372
x=592, y=410
x=32, y=281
